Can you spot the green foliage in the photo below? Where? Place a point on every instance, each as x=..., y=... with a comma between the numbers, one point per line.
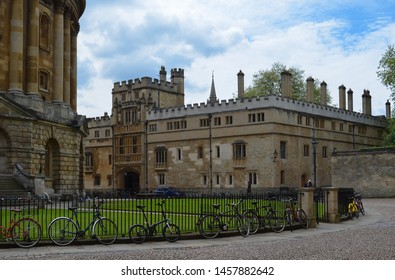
x=389, y=138
x=386, y=69
x=267, y=82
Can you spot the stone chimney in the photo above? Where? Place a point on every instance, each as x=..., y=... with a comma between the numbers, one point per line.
x=342, y=97
x=350, y=100
x=286, y=83
x=366, y=102
x=388, y=109
x=310, y=89
x=323, y=93
x=162, y=74
x=240, y=84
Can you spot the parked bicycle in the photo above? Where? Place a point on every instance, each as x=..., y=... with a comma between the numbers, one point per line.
x=352, y=208
x=272, y=219
x=358, y=201
x=64, y=230
x=293, y=214
x=24, y=232
x=139, y=233
x=210, y=225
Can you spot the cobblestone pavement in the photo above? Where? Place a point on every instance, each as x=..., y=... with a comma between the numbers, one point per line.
x=371, y=237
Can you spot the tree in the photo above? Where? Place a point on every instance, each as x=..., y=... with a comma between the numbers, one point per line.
x=386, y=73
x=386, y=69
x=267, y=82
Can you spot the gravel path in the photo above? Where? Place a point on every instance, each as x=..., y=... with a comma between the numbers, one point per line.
x=371, y=237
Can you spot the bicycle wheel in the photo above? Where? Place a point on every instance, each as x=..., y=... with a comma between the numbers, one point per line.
x=302, y=218
x=276, y=222
x=350, y=211
x=253, y=220
x=138, y=234
x=356, y=211
x=26, y=233
x=171, y=232
x=243, y=225
x=209, y=226
x=105, y=231
x=62, y=231
x=361, y=209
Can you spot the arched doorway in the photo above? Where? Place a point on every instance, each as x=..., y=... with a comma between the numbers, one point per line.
x=132, y=182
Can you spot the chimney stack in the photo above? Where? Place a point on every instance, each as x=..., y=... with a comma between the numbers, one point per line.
x=366, y=102
x=240, y=84
x=323, y=93
x=286, y=83
x=342, y=97
x=350, y=100
x=388, y=109
x=162, y=74
x=310, y=89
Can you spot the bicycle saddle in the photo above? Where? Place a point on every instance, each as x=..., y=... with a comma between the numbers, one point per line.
x=140, y=206
x=73, y=208
x=216, y=206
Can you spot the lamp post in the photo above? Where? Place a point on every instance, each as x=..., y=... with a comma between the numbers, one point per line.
x=211, y=153
x=314, y=142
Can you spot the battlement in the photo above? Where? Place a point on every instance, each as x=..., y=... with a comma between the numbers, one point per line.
x=144, y=82
x=177, y=72
x=96, y=121
x=266, y=102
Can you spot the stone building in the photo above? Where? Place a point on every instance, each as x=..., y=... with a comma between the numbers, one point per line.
x=41, y=135
x=267, y=141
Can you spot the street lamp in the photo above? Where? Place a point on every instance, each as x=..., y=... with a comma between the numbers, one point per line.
x=314, y=142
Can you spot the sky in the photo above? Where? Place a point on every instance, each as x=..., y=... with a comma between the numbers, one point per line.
x=339, y=42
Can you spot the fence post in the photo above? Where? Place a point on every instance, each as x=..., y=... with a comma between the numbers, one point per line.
x=307, y=204
x=331, y=196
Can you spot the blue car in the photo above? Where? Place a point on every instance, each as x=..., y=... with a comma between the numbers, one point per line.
x=167, y=191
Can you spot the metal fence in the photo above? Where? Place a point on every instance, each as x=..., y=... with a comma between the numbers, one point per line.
x=122, y=209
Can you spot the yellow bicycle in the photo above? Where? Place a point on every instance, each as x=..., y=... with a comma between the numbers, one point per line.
x=352, y=207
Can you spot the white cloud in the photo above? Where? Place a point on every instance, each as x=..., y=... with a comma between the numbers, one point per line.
x=224, y=37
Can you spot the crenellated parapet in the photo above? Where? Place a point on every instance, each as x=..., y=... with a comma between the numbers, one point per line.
x=266, y=102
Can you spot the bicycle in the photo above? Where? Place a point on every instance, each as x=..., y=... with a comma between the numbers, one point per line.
x=352, y=208
x=210, y=225
x=293, y=215
x=24, y=232
x=271, y=219
x=358, y=201
x=64, y=230
x=139, y=233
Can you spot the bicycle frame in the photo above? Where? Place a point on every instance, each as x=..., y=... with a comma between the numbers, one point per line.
x=222, y=216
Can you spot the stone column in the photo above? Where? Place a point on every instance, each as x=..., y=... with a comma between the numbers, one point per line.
x=388, y=109
x=58, y=52
x=67, y=57
x=32, y=48
x=350, y=100
x=16, y=48
x=307, y=204
x=331, y=197
x=73, y=65
x=310, y=89
x=342, y=97
x=323, y=93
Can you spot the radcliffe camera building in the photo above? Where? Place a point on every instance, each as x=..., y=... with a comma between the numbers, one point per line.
x=153, y=139
x=41, y=135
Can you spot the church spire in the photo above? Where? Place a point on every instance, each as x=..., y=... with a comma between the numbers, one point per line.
x=213, y=95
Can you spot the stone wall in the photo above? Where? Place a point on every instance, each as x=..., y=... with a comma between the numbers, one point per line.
x=370, y=171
